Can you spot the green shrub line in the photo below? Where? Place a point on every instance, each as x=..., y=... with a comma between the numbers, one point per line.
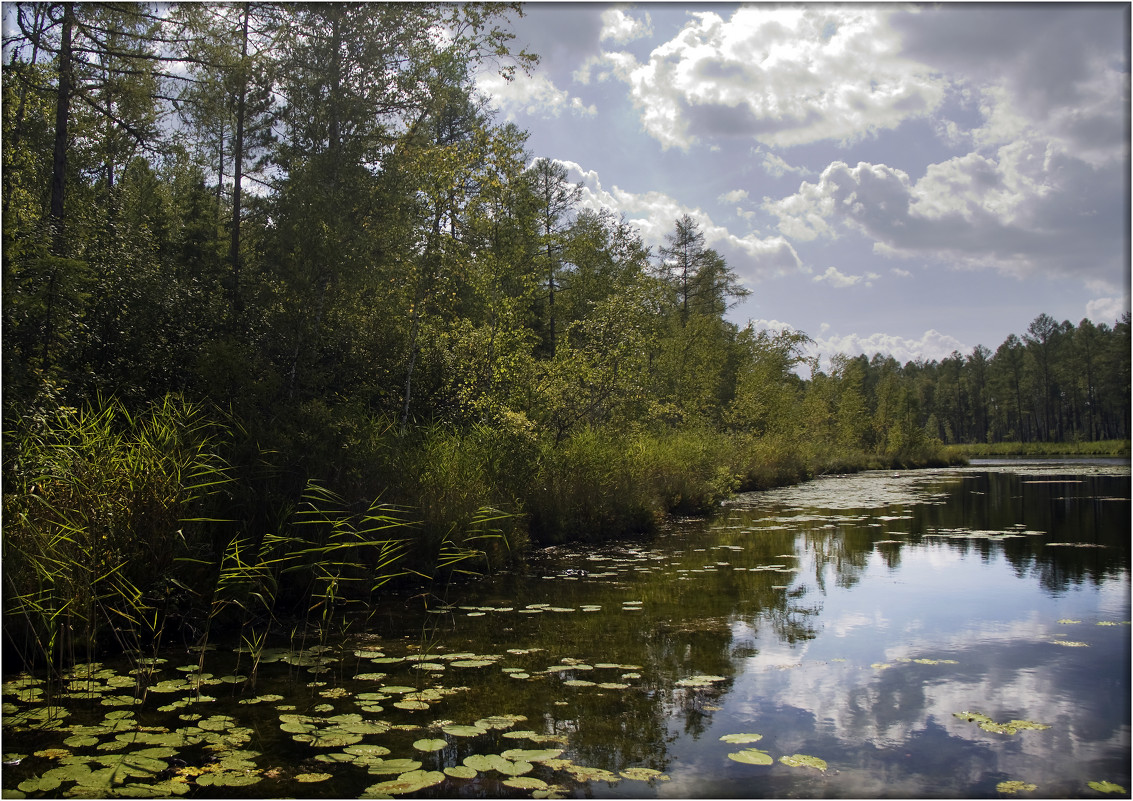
x=1109, y=447
x=120, y=528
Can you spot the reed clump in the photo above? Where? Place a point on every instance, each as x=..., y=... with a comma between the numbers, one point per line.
x=99, y=506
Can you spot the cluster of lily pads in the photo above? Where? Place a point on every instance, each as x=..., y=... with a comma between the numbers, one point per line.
x=756, y=756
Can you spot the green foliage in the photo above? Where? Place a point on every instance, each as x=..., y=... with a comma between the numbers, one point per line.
x=98, y=506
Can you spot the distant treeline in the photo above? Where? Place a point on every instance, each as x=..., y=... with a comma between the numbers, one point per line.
x=1057, y=383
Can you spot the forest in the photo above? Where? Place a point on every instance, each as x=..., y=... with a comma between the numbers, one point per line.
x=288, y=314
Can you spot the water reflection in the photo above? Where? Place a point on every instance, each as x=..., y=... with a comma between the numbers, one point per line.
x=850, y=619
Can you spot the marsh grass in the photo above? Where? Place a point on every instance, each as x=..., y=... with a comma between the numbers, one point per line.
x=99, y=504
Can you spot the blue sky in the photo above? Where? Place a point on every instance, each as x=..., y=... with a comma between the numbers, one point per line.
x=905, y=179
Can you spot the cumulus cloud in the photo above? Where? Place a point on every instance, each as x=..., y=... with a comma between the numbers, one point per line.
x=1025, y=210
x=1062, y=74
x=655, y=213
x=785, y=75
x=836, y=278
x=932, y=345
x=533, y=94
x=621, y=27
x=735, y=196
x=1107, y=310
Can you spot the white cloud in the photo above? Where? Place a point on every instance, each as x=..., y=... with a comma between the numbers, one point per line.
x=735, y=196
x=836, y=278
x=531, y=94
x=622, y=28
x=776, y=167
x=654, y=214
x=1025, y=210
x=783, y=75
x=897, y=271
x=932, y=345
x=1107, y=310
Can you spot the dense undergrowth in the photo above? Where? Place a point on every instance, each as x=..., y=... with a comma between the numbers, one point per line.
x=123, y=529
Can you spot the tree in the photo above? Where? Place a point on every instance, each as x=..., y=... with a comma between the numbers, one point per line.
x=556, y=198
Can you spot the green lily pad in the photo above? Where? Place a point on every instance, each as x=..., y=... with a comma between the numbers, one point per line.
x=39, y=784
x=463, y=731
x=308, y=778
x=524, y=783
x=531, y=755
x=411, y=706
x=700, y=681
x=227, y=779
x=430, y=745
x=803, y=761
x=1014, y=786
x=380, y=766
x=461, y=772
x=1106, y=787
x=500, y=721
x=739, y=739
x=752, y=756
x=409, y=782
x=644, y=774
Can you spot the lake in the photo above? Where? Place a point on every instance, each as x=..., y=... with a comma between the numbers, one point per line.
x=960, y=632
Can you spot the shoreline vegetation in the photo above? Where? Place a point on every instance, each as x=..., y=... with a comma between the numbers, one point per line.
x=1115, y=448
x=279, y=336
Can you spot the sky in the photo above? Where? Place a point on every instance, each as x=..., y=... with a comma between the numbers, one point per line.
x=909, y=180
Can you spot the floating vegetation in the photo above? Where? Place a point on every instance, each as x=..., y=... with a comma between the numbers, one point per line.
x=644, y=775
x=1012, y=787
x=739, y=739
x=524, y=783
x=804, y=761
x=752, y=756
x=408, y=782
x=308, y=778
x=1067, y=621
x=700, y=680
x=1106, y=787
x=461, y=772
x=430, y=745
x=1010, y=727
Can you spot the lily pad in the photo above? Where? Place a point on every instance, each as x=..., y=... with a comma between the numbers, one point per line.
x=752, y=756
x=803, y=761
x=1014, y=786
x=531, y=755
x=380, y=766
x=524, y=783
x=644, y=774
x=739, y=739
x=462, y=731
x=700, y=680
x=308, y=778
x=409, y=782
x=1106, y=787
x=430, y=745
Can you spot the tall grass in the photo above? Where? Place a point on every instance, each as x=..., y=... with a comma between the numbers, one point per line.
x=99, y=505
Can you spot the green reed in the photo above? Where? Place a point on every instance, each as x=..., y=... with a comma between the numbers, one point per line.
x=99, y=504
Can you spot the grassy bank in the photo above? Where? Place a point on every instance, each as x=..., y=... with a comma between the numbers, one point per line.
x=1111, y=447
x=123, y=529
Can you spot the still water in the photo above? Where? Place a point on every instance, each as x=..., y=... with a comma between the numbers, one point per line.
x=925, y=634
